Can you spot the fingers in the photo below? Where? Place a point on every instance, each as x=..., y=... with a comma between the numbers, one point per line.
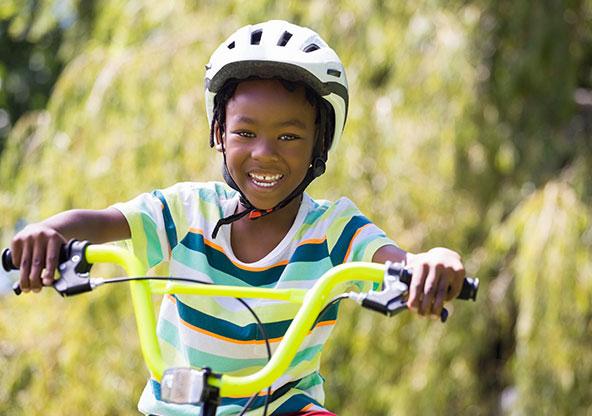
x=416, y=288
x=36, y=251
x=21, y=258
x=433, y=293
x=37, y=265
x=423, y=290
x=51, y=261
x=441, y=293
x=437, y=278
x=456, y=283
x=429, y=292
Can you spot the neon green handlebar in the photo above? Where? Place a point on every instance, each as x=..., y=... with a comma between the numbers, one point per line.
x=312, y=302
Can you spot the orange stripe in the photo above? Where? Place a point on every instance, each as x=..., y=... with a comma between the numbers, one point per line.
x=352, y=241
x=324, y=323
x=306, y=408
x=313, y=241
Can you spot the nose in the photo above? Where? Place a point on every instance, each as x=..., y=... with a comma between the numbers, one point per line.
x=265, y=148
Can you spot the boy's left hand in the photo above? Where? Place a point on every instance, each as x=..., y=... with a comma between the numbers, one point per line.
x=437, y=277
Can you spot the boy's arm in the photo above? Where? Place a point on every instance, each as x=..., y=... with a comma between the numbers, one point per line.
x=437, y=277
x=36, y=248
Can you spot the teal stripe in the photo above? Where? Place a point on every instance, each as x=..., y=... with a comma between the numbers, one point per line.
x=223, y=327
x=310, y=252
x=307, y=271
x=153, y=247
x=169, y=333
x=310, y=381
x=222, y=364
x=315, y=214
x=169, y=224
x=306, y=354
x=294, y=404
x=340, y=249
x=211, y=196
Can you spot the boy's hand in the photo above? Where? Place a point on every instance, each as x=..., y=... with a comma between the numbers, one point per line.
x=36, y=251
x=437, y=277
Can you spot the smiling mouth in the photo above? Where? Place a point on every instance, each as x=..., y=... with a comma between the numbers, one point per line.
x=265, y=181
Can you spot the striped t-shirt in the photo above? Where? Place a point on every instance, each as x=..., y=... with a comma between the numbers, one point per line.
x=176, y=225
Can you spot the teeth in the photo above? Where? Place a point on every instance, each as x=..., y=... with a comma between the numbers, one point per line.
x=265, y=184
x=265, y=181
x=265, y=177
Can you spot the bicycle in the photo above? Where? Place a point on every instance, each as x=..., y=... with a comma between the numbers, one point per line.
x=186, y=385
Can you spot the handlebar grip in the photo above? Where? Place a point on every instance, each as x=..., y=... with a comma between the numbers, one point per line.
x=8, y=265
x=469, y=289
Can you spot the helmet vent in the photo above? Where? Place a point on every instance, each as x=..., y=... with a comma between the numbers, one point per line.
x=334, y=72
x=284, y=39
x=256, y=37
x=312, y=47
x=231, y=45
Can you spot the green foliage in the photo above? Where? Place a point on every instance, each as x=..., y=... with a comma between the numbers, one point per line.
x=469, y=127
x=28, y=62
x=551, y=268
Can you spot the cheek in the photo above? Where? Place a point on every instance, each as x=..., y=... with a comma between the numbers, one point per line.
x=300, y=159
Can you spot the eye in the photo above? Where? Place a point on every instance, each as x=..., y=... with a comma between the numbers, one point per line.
x=245, y=134
x=289, y=137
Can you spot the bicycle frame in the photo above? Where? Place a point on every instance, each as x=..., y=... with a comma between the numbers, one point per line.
x=312, y=302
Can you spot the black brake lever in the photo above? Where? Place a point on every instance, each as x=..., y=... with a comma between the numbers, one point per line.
x=392, y=298
x=73, y=267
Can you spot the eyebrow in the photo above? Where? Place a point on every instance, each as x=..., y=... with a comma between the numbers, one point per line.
x=293, y=122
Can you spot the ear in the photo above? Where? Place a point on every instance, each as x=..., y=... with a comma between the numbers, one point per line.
x=218, y=137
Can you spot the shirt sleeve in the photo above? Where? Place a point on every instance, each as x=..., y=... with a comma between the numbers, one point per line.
x=157, y=222
x=353, y=237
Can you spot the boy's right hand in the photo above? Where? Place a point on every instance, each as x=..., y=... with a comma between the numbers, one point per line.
x=36, y=252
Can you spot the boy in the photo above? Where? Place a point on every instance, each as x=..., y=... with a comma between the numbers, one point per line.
x=276, y=98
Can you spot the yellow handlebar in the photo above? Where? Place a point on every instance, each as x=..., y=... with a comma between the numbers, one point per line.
x=312, y=301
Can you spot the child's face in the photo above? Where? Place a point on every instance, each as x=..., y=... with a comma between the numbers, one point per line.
x=269, y=140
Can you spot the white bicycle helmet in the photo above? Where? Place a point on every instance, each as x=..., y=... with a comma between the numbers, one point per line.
x=280, y=49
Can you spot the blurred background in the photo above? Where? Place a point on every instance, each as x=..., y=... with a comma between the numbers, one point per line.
x=470, y=127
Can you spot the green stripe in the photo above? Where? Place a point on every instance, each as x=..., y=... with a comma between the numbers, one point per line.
x=154, y=249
